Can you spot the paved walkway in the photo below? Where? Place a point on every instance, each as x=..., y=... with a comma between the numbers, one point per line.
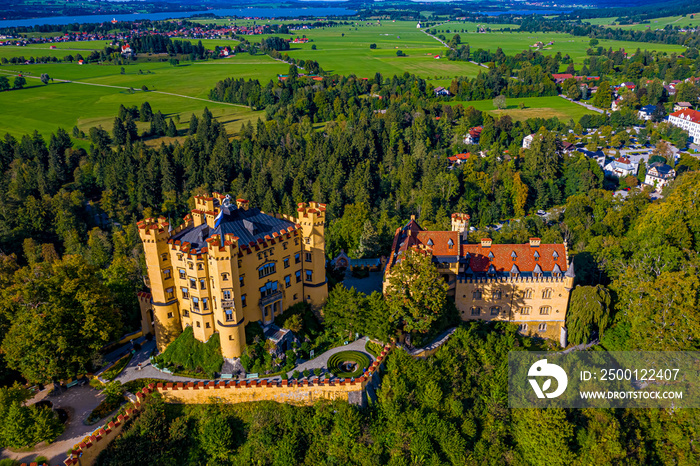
x=321, y=361
x=79, y=402
x=146, y=370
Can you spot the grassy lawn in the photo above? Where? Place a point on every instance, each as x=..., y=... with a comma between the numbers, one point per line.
x=535, y=107
x=656, y=23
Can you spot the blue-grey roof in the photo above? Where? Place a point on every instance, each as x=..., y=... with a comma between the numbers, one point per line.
x=249, y=225
x=365, y=262
x=648, y=109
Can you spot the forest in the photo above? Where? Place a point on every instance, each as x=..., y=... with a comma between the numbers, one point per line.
x=449, y=409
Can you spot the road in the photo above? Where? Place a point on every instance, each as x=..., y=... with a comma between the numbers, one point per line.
x=583, y=104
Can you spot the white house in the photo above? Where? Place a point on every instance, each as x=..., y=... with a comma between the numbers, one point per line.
x=688, y=120
x=441, y=91
x=527, y=141
x=473, y=136
x=621, y=167
x=659, y=175
x=646, y=112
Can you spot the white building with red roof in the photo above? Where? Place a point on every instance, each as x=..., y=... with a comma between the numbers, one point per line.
x=688, y=120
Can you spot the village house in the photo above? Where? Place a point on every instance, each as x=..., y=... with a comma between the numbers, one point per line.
x=621, y=168
x=678, y=106
x=659, y=175
x=441, y=91
x=473, y=135
x=646, y=112
x=527, y=141
x=458, y=159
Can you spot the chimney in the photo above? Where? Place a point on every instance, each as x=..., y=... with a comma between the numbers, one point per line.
x=242, y=204
x=485, y=242
x=535, y=242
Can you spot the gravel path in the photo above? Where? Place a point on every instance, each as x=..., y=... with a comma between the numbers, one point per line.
x=321, y=361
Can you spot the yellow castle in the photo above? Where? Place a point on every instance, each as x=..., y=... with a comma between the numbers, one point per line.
x=229, y=265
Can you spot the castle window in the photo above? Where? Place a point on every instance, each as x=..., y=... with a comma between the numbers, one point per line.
x=307, y=240
x=241, y=281
x=297, y=275
x=198, y=325
x=272, y=251
x=545, y=310
x=296, y=241
x=260, y=256
x=179, y=257
x=183, y=274
x=526, y=310
x=285, y=261
x=185, y=293
x=285, y=245
x=308, y=257
x=226, y=295
x=185, y=313
x=229, y=315
x=495, y=310
x=205, y=304
x=476, y=311
x=193, y=283
x=169, y=293
x=547, y=293
x=208, y=325
x=542, y=328
x=267, y=269
x=527, y=294
x=166, y=274
x=230, y=337
x=476, y=294
x=288, y=281
x=297, y=258
x=309, y=275
x=190, y=265
x=224, y=277
x=491, y=256
x=522, y=328
x=537, y=255
x=170, y=315
x=202, y=284
x=200, y=266
x=164, y=257
x=268, y=289
x=514, y=256
x=195, y=303
x=496, y=294
x=244, y=301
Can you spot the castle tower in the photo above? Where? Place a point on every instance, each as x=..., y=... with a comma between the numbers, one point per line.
x=460, y=222
x=312, y=219
x=166, y=316
x=229, y=318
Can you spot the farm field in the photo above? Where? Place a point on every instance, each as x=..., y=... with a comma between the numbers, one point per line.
x=68, y=104
x=574, y=46
x=535, y=107
x=660, y=23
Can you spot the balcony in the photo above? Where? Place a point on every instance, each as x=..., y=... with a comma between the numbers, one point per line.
x=228, y=303
x=271, y=298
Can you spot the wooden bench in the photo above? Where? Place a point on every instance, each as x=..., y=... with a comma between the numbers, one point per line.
x=226, y=376
x=74, y=383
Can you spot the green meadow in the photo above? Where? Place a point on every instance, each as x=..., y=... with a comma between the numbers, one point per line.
x=535, y=107
x=656, y=23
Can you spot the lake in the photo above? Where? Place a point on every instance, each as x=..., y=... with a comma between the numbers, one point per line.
x=254, y=12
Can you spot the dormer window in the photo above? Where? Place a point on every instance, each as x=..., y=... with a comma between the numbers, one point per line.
x=514, y=256
x=491, y=256
x=538, y=271
x=537, y=255
x=430, y=242
x=556, y=271
x=492, y=270
x=514, y=271
x=450, y=243
x=555, y=256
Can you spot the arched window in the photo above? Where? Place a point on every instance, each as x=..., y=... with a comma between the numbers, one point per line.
x=476, y=294
x=522, y=328
x=542, y=328
x=547, y=293
x=476, y=311
x=545, y=310
x=526, y=310
x=495, y=310
x=527, y=294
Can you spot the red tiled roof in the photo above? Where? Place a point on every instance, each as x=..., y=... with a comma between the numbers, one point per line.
x=623, y=160
x=503, y=261
x=476, y=131
x=463, y=156
x=686, y=113
x=440, y=242
x=562, y=75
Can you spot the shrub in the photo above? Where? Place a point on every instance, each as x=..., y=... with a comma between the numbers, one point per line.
x=317, y=372
x=295, y=375
x=335, y=361
x=307, y=373
x=372, y=46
